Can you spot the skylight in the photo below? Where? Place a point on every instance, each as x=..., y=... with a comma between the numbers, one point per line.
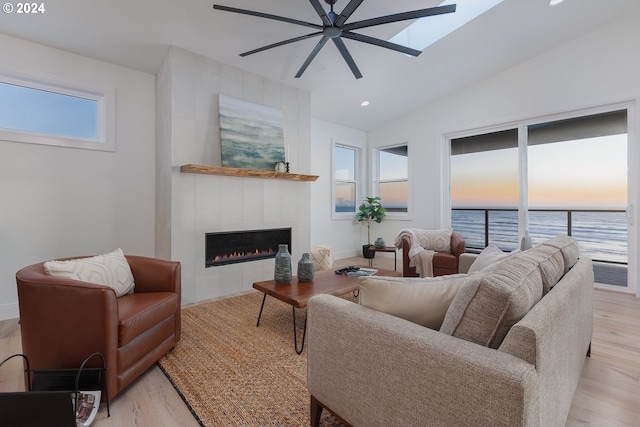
x=426, y=31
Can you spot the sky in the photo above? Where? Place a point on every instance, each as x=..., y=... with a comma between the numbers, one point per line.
x=426, y=31
x=588, y=173
x=34, y=110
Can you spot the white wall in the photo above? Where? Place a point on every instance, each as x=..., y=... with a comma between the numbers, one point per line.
x=595, y=70
x=59, y=202
x=188, y=89
x=342, y=235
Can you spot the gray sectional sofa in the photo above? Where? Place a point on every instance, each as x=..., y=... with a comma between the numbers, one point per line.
x=509, y=350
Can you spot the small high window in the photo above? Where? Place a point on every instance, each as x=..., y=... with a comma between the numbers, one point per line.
x=53, y=114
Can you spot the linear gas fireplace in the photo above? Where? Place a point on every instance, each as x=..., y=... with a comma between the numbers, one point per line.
x=243, y=246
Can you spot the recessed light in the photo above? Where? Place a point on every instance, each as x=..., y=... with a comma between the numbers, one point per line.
x=555, y=2
x=364, y=103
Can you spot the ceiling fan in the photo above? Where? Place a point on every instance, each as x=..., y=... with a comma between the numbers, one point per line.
x=334, y=27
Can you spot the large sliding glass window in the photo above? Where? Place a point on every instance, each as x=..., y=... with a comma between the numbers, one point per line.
x=484, y=189
x=577, y=185
x=564, y=177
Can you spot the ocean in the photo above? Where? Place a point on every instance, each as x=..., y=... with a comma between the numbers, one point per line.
x=602, y=235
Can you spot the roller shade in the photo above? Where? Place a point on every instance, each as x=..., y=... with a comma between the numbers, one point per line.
x=604, y=124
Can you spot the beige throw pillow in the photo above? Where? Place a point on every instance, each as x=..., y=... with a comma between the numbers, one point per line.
x=434, y=240
x=424, y=301
x=489, y=255
x=494, y=300
x=110, y=269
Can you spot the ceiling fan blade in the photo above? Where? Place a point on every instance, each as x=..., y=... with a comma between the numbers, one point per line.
x=321, y=12
x=439, y=10
x=267, y=16
x=347, y=57
x=381, y=43
x=347, y=12
x=312, y=55
x=295, y=39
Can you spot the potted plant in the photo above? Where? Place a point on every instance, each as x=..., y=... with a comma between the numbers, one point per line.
x=369, y=211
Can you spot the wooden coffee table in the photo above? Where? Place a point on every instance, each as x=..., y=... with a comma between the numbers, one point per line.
x=297, y=294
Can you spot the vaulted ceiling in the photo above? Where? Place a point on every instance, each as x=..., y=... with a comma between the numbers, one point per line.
x=138, y=33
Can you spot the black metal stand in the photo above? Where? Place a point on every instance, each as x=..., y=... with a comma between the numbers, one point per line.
x=295, y=335
x=261, y=307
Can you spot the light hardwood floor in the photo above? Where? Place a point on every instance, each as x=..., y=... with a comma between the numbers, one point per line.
x=608, y=393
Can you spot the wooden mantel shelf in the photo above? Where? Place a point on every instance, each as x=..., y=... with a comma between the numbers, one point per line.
x=242, y=172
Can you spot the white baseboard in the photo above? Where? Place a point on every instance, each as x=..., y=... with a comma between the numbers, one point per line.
x=9, y=311
x=346, y=254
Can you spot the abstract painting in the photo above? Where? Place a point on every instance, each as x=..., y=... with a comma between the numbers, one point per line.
x=251, y=135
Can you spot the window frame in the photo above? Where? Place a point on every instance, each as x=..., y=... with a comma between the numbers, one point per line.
x=375, y=168
x=105, y=114
x=357, y=181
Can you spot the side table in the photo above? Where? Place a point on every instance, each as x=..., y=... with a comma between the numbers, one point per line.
x=385, y=249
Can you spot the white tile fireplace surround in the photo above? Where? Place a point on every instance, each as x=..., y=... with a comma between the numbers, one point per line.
x=189, y=205
x=221, y=204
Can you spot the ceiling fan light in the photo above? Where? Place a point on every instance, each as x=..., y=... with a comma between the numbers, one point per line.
x=555, y=2
x=364, y=103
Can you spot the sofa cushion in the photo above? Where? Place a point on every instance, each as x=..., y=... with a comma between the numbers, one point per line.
x=489, y=303
x=420, y=300
x=140, y=312
x=111, y=269
x=550, y=263
x=568, y=247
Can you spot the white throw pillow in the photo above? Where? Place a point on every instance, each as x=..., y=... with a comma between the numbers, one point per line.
x=110, y=269
x=424, y=301
x=434, y=240
x=489, y=255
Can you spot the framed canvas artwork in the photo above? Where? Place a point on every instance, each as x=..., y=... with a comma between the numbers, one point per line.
x=251, y=135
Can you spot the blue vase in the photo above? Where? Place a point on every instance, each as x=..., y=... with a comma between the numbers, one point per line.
x=305, y=268
x=282, y=273
x=379, y=243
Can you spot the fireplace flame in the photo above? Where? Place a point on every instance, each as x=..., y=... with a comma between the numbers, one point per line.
x=237, y=256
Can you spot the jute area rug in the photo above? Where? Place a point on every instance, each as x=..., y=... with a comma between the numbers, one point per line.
x=232, y=373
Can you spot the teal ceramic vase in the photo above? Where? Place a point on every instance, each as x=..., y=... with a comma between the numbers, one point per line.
x=282, y=273
x=305, y=268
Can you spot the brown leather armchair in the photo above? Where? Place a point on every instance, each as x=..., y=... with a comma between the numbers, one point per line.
x=443, y=262
x=64, y=320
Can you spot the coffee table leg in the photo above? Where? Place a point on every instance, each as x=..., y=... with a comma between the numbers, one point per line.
x=295, y=335
x=261, y=307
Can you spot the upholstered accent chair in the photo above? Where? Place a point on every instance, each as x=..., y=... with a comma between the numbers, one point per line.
x=64, y=320
x=443, y=262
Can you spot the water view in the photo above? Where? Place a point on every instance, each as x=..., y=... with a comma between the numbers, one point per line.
x=602, y=235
